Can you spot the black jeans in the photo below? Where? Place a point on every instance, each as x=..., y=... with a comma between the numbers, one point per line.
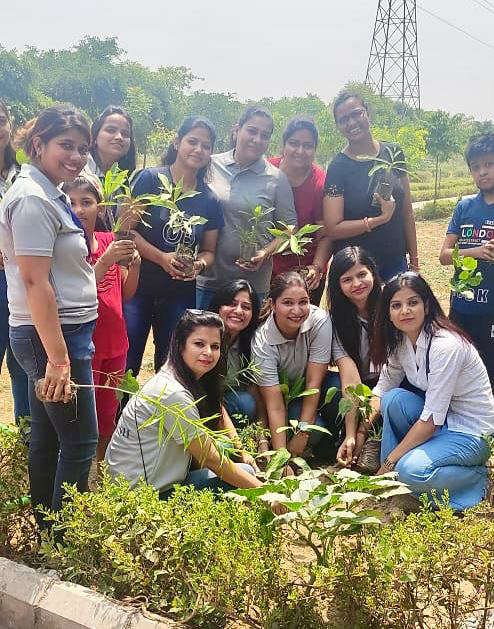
x=63, y=436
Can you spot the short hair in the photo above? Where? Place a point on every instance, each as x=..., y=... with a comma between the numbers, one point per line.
x=478, y=146
x=345, y=95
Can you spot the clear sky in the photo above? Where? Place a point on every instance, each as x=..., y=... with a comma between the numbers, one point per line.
x=274, y=48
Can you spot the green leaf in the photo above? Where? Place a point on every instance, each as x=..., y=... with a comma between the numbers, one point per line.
x=330, y=393
x=128, y=384
x=469, y=264
x=308, y=229
x=21, y=157
x=278, y=461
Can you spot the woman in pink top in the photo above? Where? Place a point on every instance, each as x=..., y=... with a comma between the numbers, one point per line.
x=300, y=140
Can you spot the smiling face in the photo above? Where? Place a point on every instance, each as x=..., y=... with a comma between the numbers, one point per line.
x=352, y=120
x=300, y=149
x=482, y=169
x=237, y=315
x=202, y=350
x=63, y=157
x=113, y=139
x=291, y=309
x=356, y=284
x=194, y=149
x=407, y=312
x=252, y=139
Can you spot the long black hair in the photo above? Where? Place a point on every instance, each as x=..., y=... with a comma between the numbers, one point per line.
x=343, y=312
x=224, y=296
x=191, y=122
x=248, y=114
x=386, y=336
x=210, y=386
x=127, y=161
x=9, y=151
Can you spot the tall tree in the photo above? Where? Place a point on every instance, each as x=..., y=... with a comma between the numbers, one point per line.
x=443, y=138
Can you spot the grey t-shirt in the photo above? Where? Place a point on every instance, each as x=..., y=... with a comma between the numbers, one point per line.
x=166, y=463
x=273, y=353
x=368, y=370
x=240, y=190
x=35, y=221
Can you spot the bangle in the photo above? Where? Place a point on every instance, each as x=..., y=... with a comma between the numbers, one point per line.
x=368, y=228
x=59, y=366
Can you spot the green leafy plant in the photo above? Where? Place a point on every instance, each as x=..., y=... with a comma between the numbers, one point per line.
x=317, y=512
x=293, y=240
x=382, y=173
x=466, y=275
x=21, y=157
x=17, y=527
x=249, y=236
x=248, y=371
x=292, y=390
x=180, y=226
x=199, y=559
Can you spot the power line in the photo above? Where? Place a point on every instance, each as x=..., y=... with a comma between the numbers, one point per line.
x=484, y=5
x=480, y=41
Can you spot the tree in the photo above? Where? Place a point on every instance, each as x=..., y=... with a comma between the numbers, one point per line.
x=411, y=139
x=222, y=109
x=443, y=138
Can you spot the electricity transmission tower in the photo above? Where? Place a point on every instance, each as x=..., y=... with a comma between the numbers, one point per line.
x=393, y=68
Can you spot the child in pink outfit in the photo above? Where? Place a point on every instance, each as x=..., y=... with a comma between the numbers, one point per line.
x=116, y=266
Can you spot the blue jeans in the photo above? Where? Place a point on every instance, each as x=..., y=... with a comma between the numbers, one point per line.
x=161, y=313
x=240, y=402
x=204, y=297
x=18, y=378
x=63, y=436
x=206, y=479
x=390, y=269
x=452, y=461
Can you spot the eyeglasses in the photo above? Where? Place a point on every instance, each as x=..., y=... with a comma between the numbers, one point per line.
x=354, y=115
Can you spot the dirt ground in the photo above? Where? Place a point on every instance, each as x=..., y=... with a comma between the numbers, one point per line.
x=430, y=235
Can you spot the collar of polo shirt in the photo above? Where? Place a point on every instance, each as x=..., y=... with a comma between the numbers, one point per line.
x=258, y=166
x=51, y=191
x=275, y=337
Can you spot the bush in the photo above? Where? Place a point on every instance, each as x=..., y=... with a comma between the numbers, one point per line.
x=17, y=528
x=439, y=209
x=444, y=193
x=431, y=570
x=193, y=557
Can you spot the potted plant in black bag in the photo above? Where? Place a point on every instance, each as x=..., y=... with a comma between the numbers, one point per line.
x=382, y=174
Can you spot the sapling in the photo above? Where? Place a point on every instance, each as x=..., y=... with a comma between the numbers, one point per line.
x=294, y=241
x=466, y=275
x=382, y=173
x=249, y=236
x=180, y=226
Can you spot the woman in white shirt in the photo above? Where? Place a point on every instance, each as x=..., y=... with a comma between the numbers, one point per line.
x=435, y=441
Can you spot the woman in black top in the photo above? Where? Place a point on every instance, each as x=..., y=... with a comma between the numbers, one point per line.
x=386, y=232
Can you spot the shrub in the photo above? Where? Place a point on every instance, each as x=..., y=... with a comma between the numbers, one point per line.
x=194, y=557
x=432, y=211
x=431, y=570
x=444, y=193
x=17, y=528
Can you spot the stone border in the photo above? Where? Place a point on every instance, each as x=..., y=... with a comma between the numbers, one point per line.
x=31, y=599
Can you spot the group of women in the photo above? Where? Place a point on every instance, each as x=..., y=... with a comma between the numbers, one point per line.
x=261, y=311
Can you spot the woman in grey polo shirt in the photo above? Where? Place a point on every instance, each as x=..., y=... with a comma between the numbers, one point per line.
x=189, y=382
x=52, y=301
x=242, y=179
x=294, y=341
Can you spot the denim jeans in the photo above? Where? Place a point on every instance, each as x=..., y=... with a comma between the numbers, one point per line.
x=452, y=461
x=18, y=378
x=240, y=402
x=63, y=436
x=204, y=297
x=206, y=479
x=159, y=313
x=390, y=269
